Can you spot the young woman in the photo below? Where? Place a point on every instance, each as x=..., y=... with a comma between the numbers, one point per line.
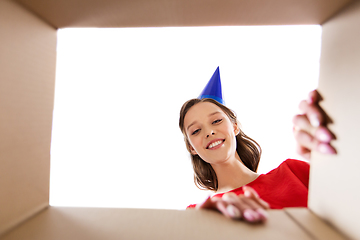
x=225, y=160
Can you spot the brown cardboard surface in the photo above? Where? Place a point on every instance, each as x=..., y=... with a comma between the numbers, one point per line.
x=334, y=188
x=102, y=223
x=159, y=13
x=312, y=224
x=27, y=74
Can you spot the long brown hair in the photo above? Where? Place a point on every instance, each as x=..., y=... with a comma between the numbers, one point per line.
x=248, y=149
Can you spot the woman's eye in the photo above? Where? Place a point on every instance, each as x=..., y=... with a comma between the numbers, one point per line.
x=195, y=132
x=217, y=121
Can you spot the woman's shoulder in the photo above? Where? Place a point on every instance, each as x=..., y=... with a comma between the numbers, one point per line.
x=295, y=162
x=295, y=169
x=295, y=165
x=290, y=168
x=292, y=165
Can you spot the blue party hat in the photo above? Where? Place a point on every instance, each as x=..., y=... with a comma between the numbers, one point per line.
x=213, y=88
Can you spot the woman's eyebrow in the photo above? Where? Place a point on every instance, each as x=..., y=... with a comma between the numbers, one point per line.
x=195, y=121
x=190, y=125
x=213, y=113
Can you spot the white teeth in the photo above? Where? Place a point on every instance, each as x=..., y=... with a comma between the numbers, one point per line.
x=214, y=144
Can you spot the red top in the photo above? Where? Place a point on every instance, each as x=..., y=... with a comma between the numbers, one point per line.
x=285, y=186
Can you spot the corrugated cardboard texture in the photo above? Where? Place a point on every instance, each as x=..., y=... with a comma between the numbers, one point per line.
x=27, y=74
x=101, y=223
x=158, y=13
x=335, y=181
x=313, y=225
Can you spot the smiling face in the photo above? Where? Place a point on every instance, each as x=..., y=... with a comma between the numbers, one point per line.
x=210, y=132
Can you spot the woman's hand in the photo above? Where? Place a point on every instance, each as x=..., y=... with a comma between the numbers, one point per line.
x=249, y=206
x=310, y=128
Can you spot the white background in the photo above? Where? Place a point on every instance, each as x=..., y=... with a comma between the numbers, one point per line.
x=116, y=141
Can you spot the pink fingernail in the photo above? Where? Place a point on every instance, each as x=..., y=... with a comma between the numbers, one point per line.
x=324, y=137
x=326, y=148
x=248, y=216
x=233, y=211
x=310, y=100
x=262, y=213
x=251, y=216
x=247, y=193
x=314, y=120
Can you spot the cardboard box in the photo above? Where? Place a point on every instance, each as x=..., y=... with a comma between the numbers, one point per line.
x=27, y=79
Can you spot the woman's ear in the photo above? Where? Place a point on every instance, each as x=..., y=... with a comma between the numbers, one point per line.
x=192, y=150
x=236, y=129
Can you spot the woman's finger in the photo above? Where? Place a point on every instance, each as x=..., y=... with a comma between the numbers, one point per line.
x=325, y=148
x=235, y=200
x=305, y=139
x=245, y=206
x=313, y=113
x=251, y=208
x=302, y=122
x=237, y=207
x=314, y=97
x=233, y=212
x=310, y=128
x=323, y=134
x=313, y=110
x=307, y=142
x=257, y=213
x=226, y=207
x=249, y=192
x=219, y=204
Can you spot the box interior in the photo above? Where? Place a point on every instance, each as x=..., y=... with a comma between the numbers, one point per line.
x=27, y=69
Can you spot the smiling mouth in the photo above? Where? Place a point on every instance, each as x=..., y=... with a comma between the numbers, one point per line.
x=214, y=144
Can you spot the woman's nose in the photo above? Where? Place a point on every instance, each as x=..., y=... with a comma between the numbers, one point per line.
x=211, y=133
